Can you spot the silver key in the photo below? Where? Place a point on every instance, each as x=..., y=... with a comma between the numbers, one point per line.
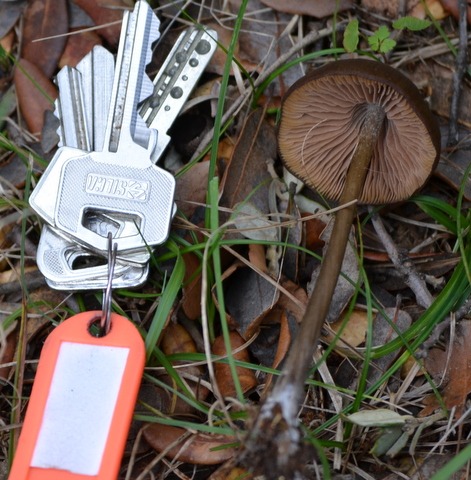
x=121, y=178
x=56, y=258
x=57, y=254
x=176, y=80
x=70, y=109
x=97, y=71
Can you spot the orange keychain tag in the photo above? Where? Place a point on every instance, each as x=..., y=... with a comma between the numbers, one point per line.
x=82, y=402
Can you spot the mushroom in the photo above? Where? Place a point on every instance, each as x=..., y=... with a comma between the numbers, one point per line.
x=357, y=131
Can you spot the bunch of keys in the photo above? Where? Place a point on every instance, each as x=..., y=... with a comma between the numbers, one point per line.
x=103, y=195
x=113, y=130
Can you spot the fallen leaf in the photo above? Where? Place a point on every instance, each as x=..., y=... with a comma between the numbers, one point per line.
x=344, y=289
x=224, y=378
x=313, y=8
x=45, y=18
x=261, y=41
x=247, y=176
x=314, y=228
x=9, y=14
x=191, y=188
x=218, y=60
x=286, y=304
x=197, y=449
x=434, y=7
x=354, y=332
x=229, y=471
x=455, y=382
x=33, y=89
x=77, y=46
x=248, y=298
x=451, y=6
x=105, y=12
x=176, y=339
x=284, y=343
x=8, y=41
x=191, y=301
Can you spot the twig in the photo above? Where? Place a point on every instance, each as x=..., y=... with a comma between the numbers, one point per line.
x=33, y=280
x=402, y=263
x=460, y=70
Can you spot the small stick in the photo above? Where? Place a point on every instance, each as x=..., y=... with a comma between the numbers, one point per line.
x=402, y=263
x=460, y=70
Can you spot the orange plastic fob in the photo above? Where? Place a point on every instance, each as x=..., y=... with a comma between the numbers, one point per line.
x=82, y=402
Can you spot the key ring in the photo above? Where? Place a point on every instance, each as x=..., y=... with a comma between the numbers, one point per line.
x=107, y=295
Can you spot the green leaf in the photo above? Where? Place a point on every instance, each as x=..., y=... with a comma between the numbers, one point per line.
x=412, y=23
x=387, y=45
x=351, y=36
x=374, y=43
x=166, y=301
x=382, y=33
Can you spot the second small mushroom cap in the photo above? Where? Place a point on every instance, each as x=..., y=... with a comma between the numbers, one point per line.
x=323, y=113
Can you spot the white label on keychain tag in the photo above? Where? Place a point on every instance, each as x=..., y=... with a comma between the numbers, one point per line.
x=80, y=407
x=82, y=402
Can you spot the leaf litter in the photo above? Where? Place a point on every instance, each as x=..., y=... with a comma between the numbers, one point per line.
x=271, y=246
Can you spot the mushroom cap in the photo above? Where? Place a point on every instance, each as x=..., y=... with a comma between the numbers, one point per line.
x=321, y=117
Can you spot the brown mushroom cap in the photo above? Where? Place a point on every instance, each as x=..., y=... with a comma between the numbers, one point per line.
x=323, y=112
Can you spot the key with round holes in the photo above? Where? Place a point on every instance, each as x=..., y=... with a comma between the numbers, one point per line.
x=121, y=178
x=176, y=80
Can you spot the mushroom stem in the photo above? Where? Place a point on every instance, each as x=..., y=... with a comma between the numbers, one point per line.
x=288, y=391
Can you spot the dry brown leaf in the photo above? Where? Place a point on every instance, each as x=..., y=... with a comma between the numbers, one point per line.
x=191, y=188
x=229, y=471
x=314, y=228
x=455, y=382
x=434, y=7
x=197, y=449
x=45, y=18
x=77, y=46
x=283, y=347
x=248, y=298
x=8, y=41
x=104, y=12
x=247, y=169
x=451, y=6
x=176, y=339
x=257, y=256
x=285, y=304
x=218, y=60
x=224, y=378
x=313, y=8
x=261, y=41
x=191, y=302
x=32, y=97
x=355, y=331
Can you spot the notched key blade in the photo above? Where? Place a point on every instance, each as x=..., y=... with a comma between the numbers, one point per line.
x=131, y=83
x=97, y=70
x=70, y=110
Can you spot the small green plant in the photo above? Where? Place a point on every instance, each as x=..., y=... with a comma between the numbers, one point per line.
x=380, y=41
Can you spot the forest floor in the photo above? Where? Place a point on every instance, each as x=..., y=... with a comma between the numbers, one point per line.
x=387, y=394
